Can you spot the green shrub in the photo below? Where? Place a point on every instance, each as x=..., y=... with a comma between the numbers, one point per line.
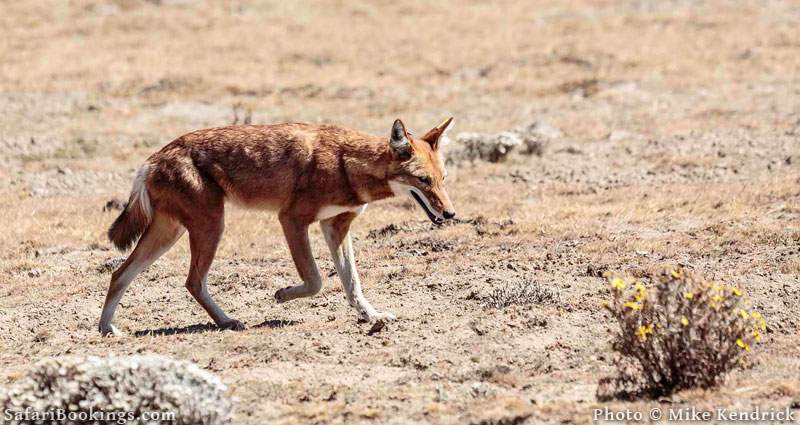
x=681, y=333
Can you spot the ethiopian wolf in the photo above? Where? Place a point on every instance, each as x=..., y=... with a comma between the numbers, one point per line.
x=304, y=172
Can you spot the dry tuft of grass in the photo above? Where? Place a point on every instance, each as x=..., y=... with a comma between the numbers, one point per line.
x=526, y=293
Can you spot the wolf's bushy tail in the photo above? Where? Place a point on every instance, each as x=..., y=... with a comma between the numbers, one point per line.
x=136, y=216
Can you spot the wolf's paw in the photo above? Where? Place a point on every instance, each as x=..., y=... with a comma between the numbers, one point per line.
x=381, y=317
x=232, y=325
x=281, y=296
x=110, y=331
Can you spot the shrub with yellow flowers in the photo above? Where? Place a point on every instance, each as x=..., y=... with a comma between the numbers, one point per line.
x=682, y=332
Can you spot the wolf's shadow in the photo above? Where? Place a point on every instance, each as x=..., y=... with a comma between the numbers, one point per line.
x=208, y=327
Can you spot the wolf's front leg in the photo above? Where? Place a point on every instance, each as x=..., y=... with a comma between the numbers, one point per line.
x=297, y=238
x=337, y=235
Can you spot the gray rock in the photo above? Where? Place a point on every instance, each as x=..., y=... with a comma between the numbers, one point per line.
x=528, y=140
x=119, y=385
x=487, y=147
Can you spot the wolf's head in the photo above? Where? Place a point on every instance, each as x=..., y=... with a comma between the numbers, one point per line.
x=418, y=170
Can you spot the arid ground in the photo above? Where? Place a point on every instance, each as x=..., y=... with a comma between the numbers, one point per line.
x=679, y=145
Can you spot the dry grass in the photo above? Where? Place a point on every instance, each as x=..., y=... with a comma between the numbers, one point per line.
x=679, y=148
x=521, y=294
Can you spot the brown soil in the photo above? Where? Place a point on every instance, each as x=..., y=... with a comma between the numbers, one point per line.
x=680, y=146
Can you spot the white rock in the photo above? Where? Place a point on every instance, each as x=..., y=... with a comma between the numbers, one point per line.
x=134, y=384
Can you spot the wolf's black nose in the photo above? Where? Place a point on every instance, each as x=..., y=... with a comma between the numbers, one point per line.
x=449, y=214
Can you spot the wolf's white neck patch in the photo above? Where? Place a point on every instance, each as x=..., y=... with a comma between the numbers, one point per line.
x=329, y=211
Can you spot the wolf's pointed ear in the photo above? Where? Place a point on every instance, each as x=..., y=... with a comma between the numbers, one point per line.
x=398, y=139
x=435, y=133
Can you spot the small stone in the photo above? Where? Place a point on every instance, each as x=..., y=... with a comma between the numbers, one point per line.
x=376, y=327
x=114, y=205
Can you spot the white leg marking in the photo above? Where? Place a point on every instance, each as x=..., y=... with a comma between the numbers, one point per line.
x=344, y=261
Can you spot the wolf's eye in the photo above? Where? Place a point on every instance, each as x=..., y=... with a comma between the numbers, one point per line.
x=425, y=180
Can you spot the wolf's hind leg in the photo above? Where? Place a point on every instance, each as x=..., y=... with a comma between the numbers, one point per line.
x=160, y=235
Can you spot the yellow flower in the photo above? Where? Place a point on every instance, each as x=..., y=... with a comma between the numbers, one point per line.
x=676, y=274
x=716, y=298
x=617, y=283
x=643, y=331
x=759, y=319
x=757, y=336
x=689, y=295
x=743, y=345
x=632, y=305
x=684, y=321
x=642, y=291
x=736, y=291
x=743, y=313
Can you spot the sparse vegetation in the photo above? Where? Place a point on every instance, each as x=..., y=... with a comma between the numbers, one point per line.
x=522, y=294
x=684, y=332
x=79, y=148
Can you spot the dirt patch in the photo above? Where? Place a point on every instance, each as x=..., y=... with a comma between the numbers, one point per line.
x=662, y=135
